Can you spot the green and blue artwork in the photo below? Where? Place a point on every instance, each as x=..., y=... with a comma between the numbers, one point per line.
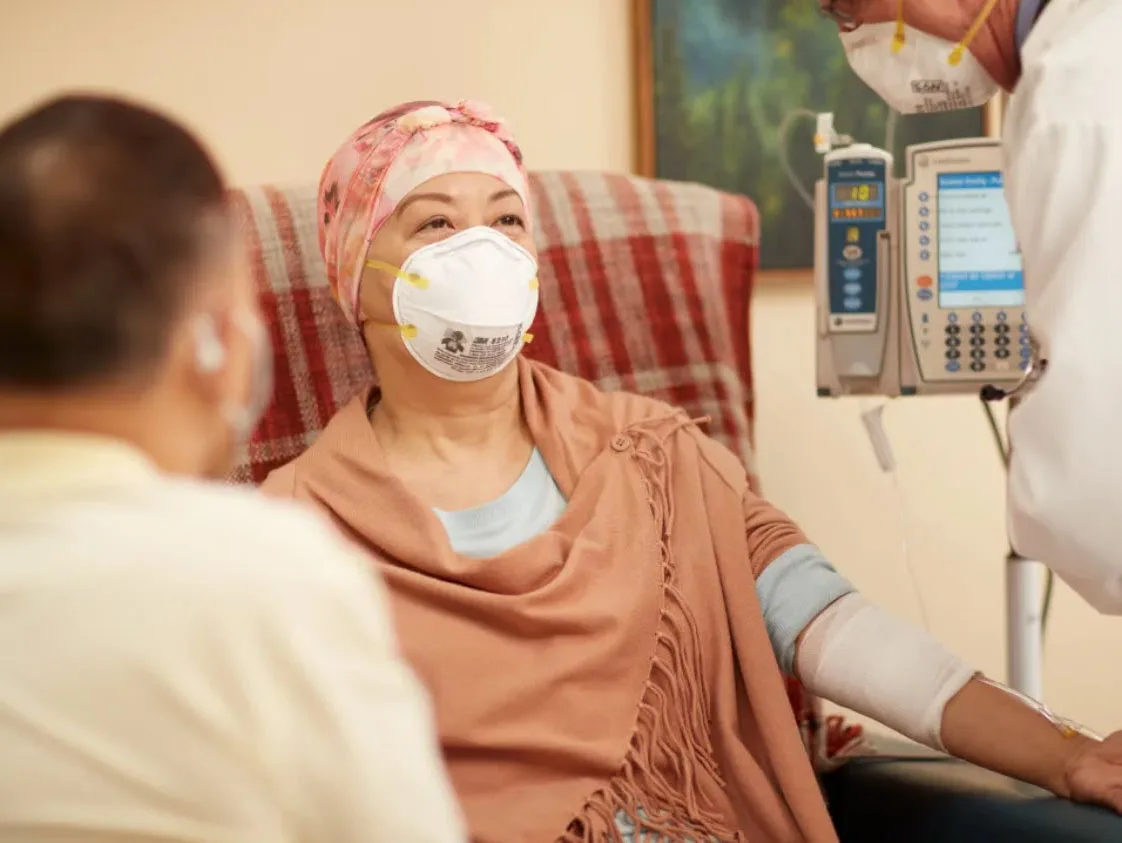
x=728, y=74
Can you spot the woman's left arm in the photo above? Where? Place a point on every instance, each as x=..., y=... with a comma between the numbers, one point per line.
x=859, y=656
x=991, y=728
x=853, y=653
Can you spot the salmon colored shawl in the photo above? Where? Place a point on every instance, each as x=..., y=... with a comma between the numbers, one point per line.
x=618, y=662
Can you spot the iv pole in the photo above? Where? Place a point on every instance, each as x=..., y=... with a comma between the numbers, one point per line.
x=1024, y=578
x=1024, y=619
x=1024, y=623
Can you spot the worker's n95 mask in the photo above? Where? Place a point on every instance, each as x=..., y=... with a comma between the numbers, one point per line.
x=463, y=304
x=917, y=73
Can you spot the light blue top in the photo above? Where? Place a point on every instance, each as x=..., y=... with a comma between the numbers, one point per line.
x=526, y=509
x=792, y=590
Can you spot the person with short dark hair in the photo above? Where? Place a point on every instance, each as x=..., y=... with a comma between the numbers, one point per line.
x=182, y=660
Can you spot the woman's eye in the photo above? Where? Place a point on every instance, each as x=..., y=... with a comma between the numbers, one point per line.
x=435, y=224
x=509, y=220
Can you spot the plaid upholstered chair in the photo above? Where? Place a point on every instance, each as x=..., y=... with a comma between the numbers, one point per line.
x=645, y=286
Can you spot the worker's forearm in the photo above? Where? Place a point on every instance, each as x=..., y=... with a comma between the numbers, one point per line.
x=986, y=726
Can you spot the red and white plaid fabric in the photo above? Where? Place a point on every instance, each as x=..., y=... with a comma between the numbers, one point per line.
x=645, y=287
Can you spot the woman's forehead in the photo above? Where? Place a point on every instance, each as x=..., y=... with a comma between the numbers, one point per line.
x=448, y=150
x=462, y=187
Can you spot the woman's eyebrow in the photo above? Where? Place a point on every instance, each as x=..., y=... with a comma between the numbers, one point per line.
x=417, y=197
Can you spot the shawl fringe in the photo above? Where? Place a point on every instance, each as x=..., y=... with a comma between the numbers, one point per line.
x=673, y=719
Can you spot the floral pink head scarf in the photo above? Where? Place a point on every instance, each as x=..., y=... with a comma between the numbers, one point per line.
x=387, y=158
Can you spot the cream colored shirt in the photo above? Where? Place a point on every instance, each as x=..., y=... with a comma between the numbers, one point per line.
x=190, y=662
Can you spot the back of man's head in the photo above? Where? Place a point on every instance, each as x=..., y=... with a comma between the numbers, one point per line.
x=103, y=211
x=124, y=295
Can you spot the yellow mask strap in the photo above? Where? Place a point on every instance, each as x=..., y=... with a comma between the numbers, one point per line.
x=898, y=37
x=407, y=331
x=418, y=281
x=956, y=54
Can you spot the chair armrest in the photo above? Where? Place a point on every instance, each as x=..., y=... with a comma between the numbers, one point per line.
x=929, y=798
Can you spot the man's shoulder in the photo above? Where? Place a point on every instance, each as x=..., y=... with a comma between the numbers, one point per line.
x=237, y=533
x=232, y=507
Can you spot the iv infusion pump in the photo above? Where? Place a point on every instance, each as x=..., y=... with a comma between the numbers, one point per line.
x=919, y=281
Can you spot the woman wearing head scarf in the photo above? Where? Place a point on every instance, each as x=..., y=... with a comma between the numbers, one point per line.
x=599, y=604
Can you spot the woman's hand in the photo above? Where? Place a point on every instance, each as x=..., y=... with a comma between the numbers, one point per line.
x=1093, y=774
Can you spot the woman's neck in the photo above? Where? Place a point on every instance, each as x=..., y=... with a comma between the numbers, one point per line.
x=424, y=414
x=454, y=445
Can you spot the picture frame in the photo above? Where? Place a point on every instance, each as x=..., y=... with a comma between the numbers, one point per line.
x=713, y=83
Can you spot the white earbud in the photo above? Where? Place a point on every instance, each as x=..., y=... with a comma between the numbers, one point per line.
x=210, y=353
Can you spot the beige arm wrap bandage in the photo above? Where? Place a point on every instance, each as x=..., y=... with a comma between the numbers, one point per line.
x=859, y=656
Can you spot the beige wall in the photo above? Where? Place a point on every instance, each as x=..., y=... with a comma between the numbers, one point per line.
x=275, y=84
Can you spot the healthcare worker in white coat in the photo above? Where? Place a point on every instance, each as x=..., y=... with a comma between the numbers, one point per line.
x=182, y=661
x=1062, y=61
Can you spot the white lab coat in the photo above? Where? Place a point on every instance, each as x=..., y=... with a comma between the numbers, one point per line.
x=1063, y=142
x=192, y=663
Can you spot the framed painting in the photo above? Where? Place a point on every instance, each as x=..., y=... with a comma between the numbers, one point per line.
x=726, y=92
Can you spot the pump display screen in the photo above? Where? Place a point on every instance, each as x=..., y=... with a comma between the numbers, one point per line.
x=979, y=259
x=857, y=192
x=857, y=201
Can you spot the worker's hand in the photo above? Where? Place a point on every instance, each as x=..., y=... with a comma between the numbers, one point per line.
x=1094, y=773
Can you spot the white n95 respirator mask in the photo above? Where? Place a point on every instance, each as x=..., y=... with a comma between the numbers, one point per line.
x=917, y=73
x=463, y=305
